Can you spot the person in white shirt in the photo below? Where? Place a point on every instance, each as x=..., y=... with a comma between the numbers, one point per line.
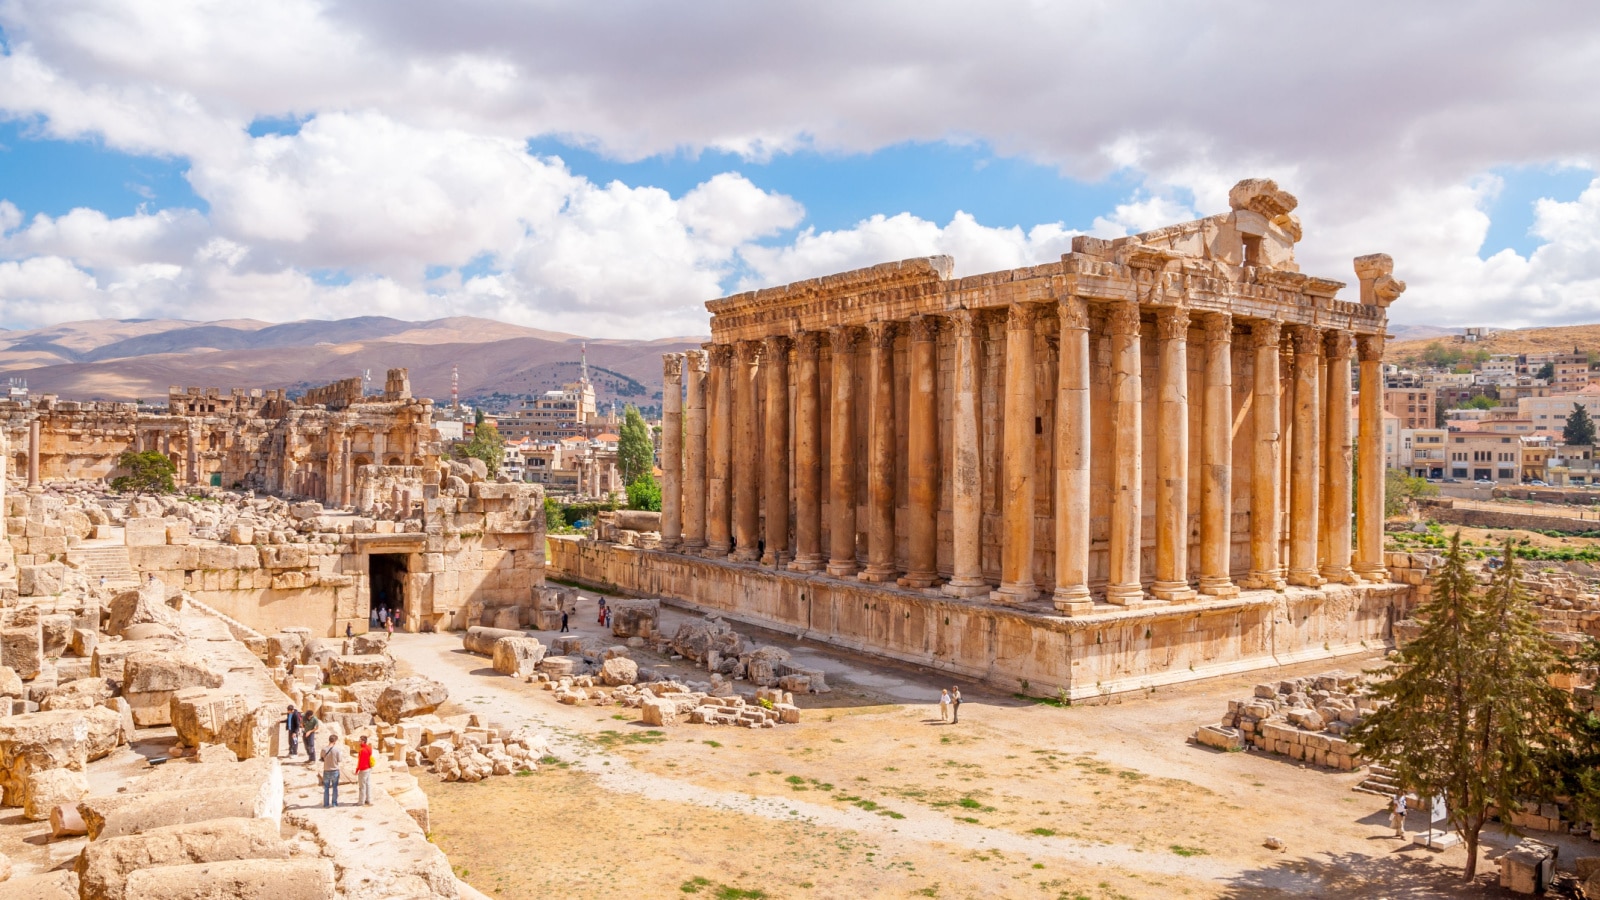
x=1397, y=814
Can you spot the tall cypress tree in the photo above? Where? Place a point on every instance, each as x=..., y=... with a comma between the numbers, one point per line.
x=1471, y=714
x=1579, y=429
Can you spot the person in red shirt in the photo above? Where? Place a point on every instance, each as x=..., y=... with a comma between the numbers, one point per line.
x=364, y=772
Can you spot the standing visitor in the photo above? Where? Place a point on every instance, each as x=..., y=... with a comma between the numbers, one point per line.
x=292, y=723
x=944, y=706
x=600, y=612
x=607, y=622
x=310, y=725
x=349, y=631
x=955, y=705
x=388, y=626
x=563, y=621
x=1397, y=813
x=364, y=772
x=331, y=758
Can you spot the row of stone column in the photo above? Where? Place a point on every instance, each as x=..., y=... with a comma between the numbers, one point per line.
x=713, y=446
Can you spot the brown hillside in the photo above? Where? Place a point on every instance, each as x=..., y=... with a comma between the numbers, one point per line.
x=1520, y=340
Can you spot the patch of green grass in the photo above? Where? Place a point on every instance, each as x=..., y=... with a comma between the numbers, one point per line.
x=548, y=760
x=1043, y=832
x=728, y=892
x=931, y=890
x=1186, y=851
x=1038, y=865
x=1059, y=701
x=694, y=885
x=966, y=819
x=711, y=744
x=969, y=803
x=609, y=739
x=524, y=773
x=795, y=779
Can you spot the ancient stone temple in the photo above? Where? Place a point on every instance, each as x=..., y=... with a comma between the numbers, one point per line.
x=1149, y=425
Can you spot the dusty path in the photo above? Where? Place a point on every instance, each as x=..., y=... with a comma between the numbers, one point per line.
x=441, y=657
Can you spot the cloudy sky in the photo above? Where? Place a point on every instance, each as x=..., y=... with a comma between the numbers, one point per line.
x=605, y=168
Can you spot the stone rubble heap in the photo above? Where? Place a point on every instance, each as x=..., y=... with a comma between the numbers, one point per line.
x=1305, y=719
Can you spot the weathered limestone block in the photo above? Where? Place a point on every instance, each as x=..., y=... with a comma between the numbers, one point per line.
x=364, y=694
x=318, y=652
x=1220, y=737
x=245, y=879
x=188, y=792
x=145, y=532
x=371, y=642
x=55, y=633
x=40, y=579
x=104, y=866
x=108, y=729
x=635, y=618
x=10, y=684
x=147, y=604
x=45, y=790
x=1528, y=867
x=619, y=670
x=110, y=658
x=65, y=822
x=22, y=650
x=351, y=669
x=57, y=885
x=479, y=639
x=83, y=693
x=203, y=715
x=39, y=742
x=151, y=678
x=408, y=697
x=517, y=655
x=283, y=646
x=178, y=532
x=659, y=712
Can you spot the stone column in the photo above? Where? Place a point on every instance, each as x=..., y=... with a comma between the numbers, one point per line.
x=1266, y=493
x=966, y=481
x=1369, y=508
x=671, y=451
x=880, y=455
x=808, y=454
x=1216, y=461
x=1017, y=509
x=1172, y=458
x=1127, y=451
x=746, y=453
x=33, y=453
x=694, y=438
x=192, y=457
x=1303, y=493
x=922, y=455
x=775, y=441
x=1072, y=461
x=842, y=455
x=5, y=462
x=1335, y=529
x=719, y=536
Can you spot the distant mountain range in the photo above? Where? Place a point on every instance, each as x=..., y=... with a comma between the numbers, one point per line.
x=129, y=359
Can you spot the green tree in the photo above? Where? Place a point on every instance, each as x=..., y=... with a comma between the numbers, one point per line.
x=636, y=455
x=487, y=444
x=1482, y=401
x=644, y=493
x=1580, y=427
x=1547, y=371
x=1469, y=711
x=1400, y=489
x=149, y=472
x=555, y=520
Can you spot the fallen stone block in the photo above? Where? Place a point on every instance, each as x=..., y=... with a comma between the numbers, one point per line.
x=22, y=650
x=110, y=658
x=367, y=667
x=1220, y=737
x=146, y=604
x=11, y=685
x=619, y=670
x=518, y=656
x=45, y=790
x=371, y=642
x=189, y=791
x=83, y=693
x=658, y=712
x=56, y=885
x=480, y=639
x=364, y=694
x=104, y=866
x=65, y=821
x=40, y=742
x=151, y=678
x=55, y=634
x=635, y=618
x=244, y=879
x=408, y=697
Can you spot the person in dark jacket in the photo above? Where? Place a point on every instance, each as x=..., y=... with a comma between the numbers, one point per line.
x=292, y=723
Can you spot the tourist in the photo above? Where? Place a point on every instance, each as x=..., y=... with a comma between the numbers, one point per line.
x=944, y=706
x=292, y=723
x=364, y=772
x=955, y=705
x=388, y=625
x=608, y=616
x=600, y=612
x=563, y=621
x=310, y=725
x=1397, y=813
x=331, y=758
x=374, y=618
x=349, y=631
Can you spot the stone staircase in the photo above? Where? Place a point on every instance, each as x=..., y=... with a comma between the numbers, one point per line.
x=1380, y=780
x=109, y=560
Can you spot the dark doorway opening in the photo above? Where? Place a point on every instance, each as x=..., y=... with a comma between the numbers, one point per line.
x=387, y=580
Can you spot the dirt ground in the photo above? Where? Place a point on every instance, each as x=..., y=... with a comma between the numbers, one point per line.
x=874, y=796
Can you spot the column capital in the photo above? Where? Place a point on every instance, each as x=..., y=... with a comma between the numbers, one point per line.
x=1218, y=328
x=721, y=354
x=776, y=343
x=844, y=338
x=881, y=335
x=1336, y=345
x=1172, y=323
x=672, y=365
x=1370, y=347
x=1267, y=332
x=749, y=352
x=808, y=341
x=1307, y=341
x=1074, y=313
x=695, y=361
x=1022, y=316
x=1123, y=319
x=924, y=328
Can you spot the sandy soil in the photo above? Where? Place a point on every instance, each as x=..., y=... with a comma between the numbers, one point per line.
x=874, y=796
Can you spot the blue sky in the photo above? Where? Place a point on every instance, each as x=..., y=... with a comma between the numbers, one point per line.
x=326, y=158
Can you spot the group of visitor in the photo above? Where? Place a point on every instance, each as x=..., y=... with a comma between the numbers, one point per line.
x=384, y=617
x=306, y=725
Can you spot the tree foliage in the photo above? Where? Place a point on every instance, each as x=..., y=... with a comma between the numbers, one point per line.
x=1399, y=489
x=1547, y=371
x=487, y=444
x=1580, y=427
x=636, y=454
x=644, y=493
x=1471, y=714
x=149, y=472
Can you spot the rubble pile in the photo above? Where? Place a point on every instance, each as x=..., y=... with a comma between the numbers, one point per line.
x=1305, y=719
